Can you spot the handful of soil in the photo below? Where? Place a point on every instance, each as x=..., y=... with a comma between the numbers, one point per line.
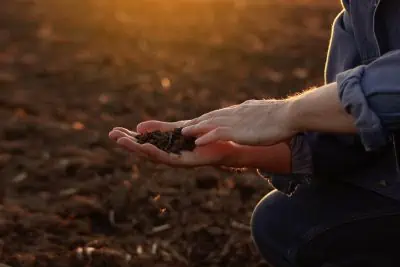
x=170, y=142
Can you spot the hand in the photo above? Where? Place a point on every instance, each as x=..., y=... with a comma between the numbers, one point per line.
x=254, y=122
x=218, y=153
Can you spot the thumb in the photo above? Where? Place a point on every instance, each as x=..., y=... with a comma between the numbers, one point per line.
x=153, y=125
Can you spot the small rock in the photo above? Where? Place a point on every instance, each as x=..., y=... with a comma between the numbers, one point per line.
x=20, y=177
x=68, y=192
x=300, y=73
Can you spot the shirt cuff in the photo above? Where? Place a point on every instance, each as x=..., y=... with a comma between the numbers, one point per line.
x=353, y=99
x=301, y=168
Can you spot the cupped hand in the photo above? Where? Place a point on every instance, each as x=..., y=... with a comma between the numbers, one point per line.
x=217, y=153
x=254, y=122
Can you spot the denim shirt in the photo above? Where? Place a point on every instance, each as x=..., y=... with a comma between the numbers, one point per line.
x=364, y=60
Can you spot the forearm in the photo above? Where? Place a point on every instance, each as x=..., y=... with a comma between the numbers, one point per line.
x=275, y=158
x=320, y=110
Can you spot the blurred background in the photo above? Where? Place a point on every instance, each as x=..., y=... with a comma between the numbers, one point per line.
x=70, y=70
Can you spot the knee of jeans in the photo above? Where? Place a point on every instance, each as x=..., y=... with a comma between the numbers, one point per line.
x=271, y=228
x=268, y=226
x=263, y=220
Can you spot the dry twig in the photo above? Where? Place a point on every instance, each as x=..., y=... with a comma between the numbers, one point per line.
x=240, y=226
x=161, y=228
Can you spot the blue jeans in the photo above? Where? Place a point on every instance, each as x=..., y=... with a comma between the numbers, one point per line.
x=328, y=223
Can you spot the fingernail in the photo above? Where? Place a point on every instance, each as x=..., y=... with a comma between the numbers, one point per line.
x=187, y=129
x=121, y=140
x=198, y=141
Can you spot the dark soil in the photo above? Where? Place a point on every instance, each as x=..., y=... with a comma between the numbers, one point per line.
x=71, y=70
x=171, y=142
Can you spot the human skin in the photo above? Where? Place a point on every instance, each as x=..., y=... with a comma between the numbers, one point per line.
x=253, y=134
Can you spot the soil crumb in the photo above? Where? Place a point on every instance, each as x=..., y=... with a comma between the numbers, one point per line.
x=171, y=142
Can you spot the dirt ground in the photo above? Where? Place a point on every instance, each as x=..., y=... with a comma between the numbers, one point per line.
x=70, y=70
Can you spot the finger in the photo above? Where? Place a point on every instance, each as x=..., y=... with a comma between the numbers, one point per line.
x=206, y=126
x=160, y=156
x=132, y=146
x=116, y=134
x=184, y=159
x=142, y=155
x=228, y=111
x=152, y=153
x=251, y=101
x=138, y=152
x=153, y=125
x=129, y=143
x=198, y=129
x=125, y=130
x=218, y=134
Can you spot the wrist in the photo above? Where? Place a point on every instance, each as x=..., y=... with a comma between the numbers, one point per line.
x=276, y=158
x=234, y=158
x=294, y=111
x=320, y=110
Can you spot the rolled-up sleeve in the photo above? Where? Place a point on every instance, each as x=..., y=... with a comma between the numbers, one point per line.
x=371, y=94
